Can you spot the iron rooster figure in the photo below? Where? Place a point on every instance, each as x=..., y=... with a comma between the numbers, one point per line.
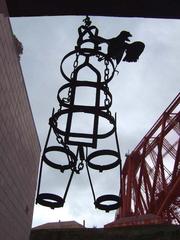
x=118, y=46
x=81, y=143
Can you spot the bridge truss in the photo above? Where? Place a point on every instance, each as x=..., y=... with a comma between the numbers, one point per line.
x=151, y=173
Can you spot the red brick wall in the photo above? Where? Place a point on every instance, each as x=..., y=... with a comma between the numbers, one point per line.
x=19, y=144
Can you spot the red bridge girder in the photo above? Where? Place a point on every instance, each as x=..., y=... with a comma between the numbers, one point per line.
x=151, y=173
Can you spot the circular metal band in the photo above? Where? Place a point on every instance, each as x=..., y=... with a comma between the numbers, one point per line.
x=59, y=166
x=87, y=51
x=107, y=207
x=85, y=109
x=85, y=84
x=105, y=166
x=91, y=53
x=50, y=200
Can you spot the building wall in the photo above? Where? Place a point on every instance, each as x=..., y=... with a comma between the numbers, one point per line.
x=19, y=144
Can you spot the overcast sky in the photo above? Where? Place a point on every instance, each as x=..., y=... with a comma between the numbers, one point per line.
x=141, y=92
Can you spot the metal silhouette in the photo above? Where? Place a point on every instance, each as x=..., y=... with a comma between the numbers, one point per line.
x=118, y=46
x=86, y=51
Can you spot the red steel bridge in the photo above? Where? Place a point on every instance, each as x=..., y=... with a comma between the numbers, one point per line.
x=151, y=174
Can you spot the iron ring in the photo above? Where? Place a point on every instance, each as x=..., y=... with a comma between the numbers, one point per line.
x=59, y=166
x=107, y=207
x=85, y=109
x=86, y=84
x=91, y=51
x=105, y=166
x=50, y=200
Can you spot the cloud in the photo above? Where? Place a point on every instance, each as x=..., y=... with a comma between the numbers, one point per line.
x=141, y=92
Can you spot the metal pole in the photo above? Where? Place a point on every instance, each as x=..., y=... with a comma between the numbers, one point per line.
x=41, y=164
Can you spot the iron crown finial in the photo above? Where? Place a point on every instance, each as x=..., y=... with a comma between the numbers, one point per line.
x=87, y=21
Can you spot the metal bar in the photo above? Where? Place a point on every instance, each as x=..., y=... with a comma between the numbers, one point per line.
x=154, y=128
x=68, y=185
x=168, y=198
x=41, y=164
x=161, y=185
x=138, y=204
x=90, y=181
x=177, y=162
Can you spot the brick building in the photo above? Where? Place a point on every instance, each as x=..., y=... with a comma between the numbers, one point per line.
x=19, y=144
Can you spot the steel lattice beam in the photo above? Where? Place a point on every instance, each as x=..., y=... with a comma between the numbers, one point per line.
x=151, y=173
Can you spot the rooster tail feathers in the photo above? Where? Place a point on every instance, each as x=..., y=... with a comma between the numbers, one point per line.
x=133, y=51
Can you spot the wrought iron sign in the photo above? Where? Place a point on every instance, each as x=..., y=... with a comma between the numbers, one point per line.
x=72, y=141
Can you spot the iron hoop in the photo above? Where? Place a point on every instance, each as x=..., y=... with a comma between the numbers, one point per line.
x=107, y=207
x=50, y=200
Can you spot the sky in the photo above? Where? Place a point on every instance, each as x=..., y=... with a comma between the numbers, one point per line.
x=141, y=92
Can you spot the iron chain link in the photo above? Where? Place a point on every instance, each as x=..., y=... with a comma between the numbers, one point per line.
x=75, y=65
x=106, y=77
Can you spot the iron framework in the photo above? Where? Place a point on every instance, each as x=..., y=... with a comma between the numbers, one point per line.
x=87, y=55
x=151, y=173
